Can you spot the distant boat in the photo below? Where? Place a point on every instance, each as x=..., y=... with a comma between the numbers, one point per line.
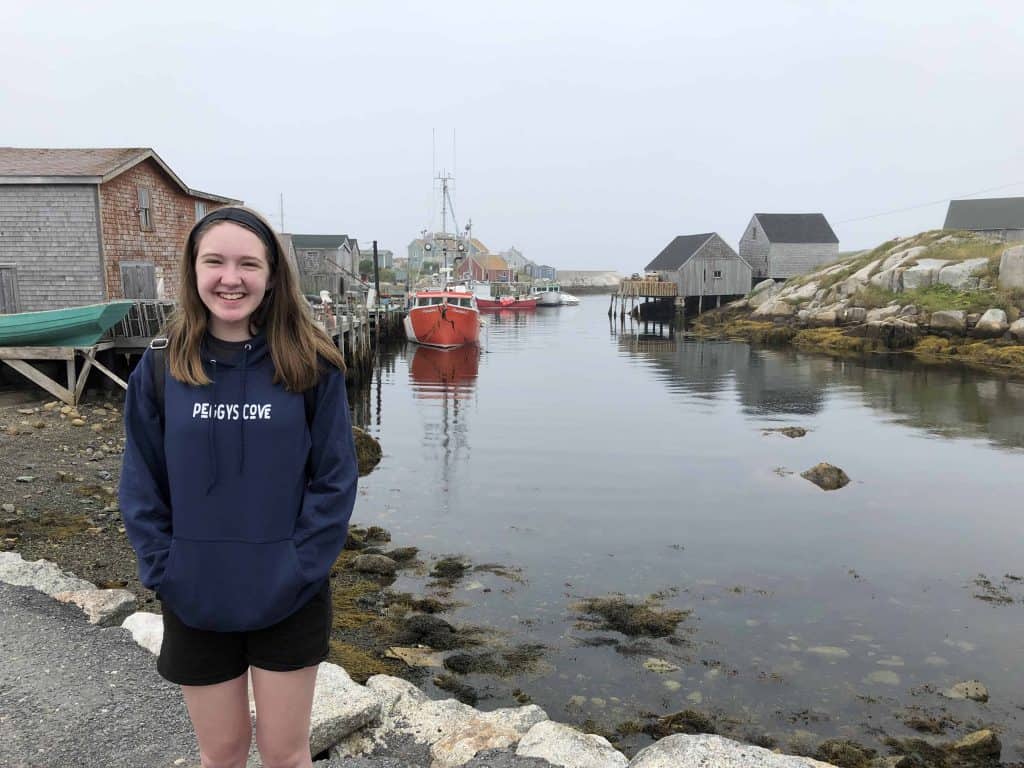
x=508, y=302
x=68, y=327
x=548, y=294
x=567, y=299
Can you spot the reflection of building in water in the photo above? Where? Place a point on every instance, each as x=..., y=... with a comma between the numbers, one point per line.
x=364, y=397
x=944, y=400
x=446, y=378
x=766, y=382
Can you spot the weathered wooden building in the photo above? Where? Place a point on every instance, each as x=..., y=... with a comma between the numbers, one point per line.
x=784, y=245
x=82, y=226
x=487, y=268
x=326, y=262
x=1001, y=217
x=703, y=267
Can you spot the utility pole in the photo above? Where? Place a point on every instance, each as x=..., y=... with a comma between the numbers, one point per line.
x=376, y=272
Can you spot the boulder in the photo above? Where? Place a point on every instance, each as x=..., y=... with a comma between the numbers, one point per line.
x=923, y=274
x=1017, y=329
x=953, y=321
x=979, y=744
x=882, y=313
x=452, y=731
x=823, y=318
x=775, y=308
x=340, y=706
x=826, y=476
x=892, y=333
x=564, y=746
x=803, y=293
x=992, y=324
x=147, y=630
x=964, y=275
x=1011, y=268
x=969, y=689
x=889, y=280
x=897, y=258
x=855, y=315
x=39, y=574
x=764, y=291
x=380, y=564
x=103, y=607
x=862, y=274
x=700, y=751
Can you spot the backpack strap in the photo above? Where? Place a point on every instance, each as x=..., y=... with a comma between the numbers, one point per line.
x=158, y=347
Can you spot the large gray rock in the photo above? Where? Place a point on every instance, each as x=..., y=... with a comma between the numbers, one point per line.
x=882, y=313
x=855, y=315
x=707, y=751
x=104, y=607
x=963, y=276
x=923, y=274
x=898, y=258
x=979, y=744
x=763, y=291
x=379, y=564
x=893, y=333
x=453, y=731
x=561, y=745
x=147, y=630
x=992, y=324
x=949, y=321
x=775, y=308
x=1011, y=268
x=39, y=574
x=889, y=280
x=1017, y=329
x=969, y=689
x=340, y=706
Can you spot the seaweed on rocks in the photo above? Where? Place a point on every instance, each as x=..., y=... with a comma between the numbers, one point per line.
x=633, y=619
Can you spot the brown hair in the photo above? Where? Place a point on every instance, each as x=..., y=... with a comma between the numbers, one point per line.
x=297, y=345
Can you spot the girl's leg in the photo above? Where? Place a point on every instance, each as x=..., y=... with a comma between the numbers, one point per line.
x=220, y=715
x=283, y=704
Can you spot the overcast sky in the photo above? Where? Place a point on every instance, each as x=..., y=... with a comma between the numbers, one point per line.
x=588, y=134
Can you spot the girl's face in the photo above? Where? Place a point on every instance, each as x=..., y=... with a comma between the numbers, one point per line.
x=232, y=275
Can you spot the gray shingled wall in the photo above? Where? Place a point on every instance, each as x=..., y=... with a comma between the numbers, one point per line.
x=696, y=276
x=50, y=233
x=754, y=249
x=792, y=259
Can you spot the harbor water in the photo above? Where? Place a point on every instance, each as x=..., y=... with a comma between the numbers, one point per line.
x=591, y=459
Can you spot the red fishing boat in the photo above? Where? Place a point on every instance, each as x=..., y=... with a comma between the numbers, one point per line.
x=443, y=317
x=508, y=302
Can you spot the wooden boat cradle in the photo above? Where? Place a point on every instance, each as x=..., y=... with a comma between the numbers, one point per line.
x=18, y=358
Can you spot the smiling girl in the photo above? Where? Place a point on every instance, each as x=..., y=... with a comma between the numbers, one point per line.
x=236, y=491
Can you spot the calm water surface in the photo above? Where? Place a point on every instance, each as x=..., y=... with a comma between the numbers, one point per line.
x=602, y=460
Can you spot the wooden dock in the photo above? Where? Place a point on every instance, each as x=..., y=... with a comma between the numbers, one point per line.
x=634, y=292
x=356, y=330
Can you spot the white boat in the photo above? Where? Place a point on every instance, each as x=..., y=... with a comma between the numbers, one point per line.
x=548, y=294
x=567, y=299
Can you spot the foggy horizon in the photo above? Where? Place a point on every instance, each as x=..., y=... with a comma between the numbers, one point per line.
x=585, y=138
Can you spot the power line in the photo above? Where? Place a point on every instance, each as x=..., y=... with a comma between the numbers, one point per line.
x=926, y=205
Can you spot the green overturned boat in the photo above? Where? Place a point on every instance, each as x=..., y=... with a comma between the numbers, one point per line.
x=69, y=327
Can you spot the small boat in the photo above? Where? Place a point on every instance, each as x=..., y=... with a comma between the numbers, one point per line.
x=567, y=299
x=68, y=327
x=443, y=317
x=548, y=294
x=507, y=302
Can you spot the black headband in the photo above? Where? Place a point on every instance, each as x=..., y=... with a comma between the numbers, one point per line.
x=243, y=218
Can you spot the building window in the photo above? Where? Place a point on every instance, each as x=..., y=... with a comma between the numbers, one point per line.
x=753, y=232
x=200, y=209
x=145, y=212
x=717, y=273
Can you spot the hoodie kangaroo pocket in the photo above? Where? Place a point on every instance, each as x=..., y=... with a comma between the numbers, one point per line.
x=231, y=586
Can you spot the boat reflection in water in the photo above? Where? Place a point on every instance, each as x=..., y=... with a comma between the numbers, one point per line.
x=446, y=378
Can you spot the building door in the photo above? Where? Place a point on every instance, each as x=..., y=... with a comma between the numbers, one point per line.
x=8, y=290
x=138, y=280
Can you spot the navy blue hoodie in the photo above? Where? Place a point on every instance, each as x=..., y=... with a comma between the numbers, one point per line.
x=236, y=508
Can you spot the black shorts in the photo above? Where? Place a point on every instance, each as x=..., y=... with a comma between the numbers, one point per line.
x=191, y=656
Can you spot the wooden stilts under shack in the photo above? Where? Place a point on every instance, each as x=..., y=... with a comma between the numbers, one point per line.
x=21, y=358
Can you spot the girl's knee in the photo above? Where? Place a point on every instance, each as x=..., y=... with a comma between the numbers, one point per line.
x=296, y=757
x=226, y=755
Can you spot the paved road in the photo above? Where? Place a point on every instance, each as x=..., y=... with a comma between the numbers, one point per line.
x=72, y=694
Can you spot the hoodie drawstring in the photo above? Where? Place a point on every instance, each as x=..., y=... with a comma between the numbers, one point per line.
x=212, y=437
x=245, y=372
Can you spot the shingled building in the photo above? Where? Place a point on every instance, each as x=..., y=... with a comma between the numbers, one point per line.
x=784, y=245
